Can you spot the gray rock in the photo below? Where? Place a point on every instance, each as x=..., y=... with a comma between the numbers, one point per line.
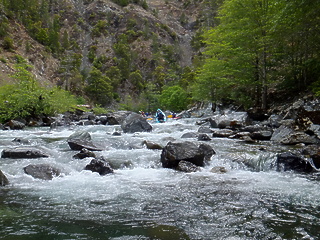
x=23, y=152
x=152, y=145
x=135, y=123
x=80, y=140
x=99, y=165
x=173, y=153
x=42, y=171
x=190, y=135
x=3, y=179
x=185, y=166
x=289, y=161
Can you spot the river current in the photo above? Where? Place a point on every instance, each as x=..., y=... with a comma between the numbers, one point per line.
x=142, y=200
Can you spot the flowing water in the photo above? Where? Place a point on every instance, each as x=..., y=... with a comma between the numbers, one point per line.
x=142, y=200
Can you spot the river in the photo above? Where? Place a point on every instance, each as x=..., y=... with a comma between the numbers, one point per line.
x=142, y=200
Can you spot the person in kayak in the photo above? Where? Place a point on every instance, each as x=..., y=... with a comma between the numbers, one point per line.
x=160, y=116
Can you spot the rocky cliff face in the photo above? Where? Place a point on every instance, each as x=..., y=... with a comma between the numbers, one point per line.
x=92, y=33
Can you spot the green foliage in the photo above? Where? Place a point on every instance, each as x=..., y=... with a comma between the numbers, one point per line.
x=8, y=43
x=115, y=76
x=97, y=110
x=174, y=98
x=136, y=80
x=99, y=87
x=4, y=26
x=259, y=45
x=122, y=3
x=100, y=28
x=27, y=99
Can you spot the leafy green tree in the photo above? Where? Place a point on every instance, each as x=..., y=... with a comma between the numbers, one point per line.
x=174, y=98
x=99, y=87
x=239, y=50
x=27, y=99
x=115, y=76
x=136, y=80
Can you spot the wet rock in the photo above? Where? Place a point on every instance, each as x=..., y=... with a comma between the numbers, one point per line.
x=257, y=114
x=230, y=119
x=190, y=135
x=288, y=136
x=290, y=161
x=117, y=118
x=3, y=179
x=116, y=134
x=84, y=153
x=223, y=133
x=99, y=165
x=16, y=125
x=247, y=139
x=82, y=139
x=103, y=120
x=23, y=152
x=173, y=153
x=313, y=151
x=310, y=110
x=185, y=166
x=261, y=135
x=135, y=123
x=203, y=137
x=218, y=170
x=274, y=120
x=21, y=140
x=204, y=129
x=42, y=171
x=152, y=145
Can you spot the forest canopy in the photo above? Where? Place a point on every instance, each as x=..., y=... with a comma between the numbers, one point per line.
x=261, y=47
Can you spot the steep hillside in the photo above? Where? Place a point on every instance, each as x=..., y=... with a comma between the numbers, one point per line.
x=77, y=44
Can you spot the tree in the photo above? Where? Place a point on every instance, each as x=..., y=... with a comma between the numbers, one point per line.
x=174, y=98
x=239, y=50
x=99, y=87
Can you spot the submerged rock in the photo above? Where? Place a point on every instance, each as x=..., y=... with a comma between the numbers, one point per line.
x=23, y=152
x=218, y=170
x=173, y=153
x=42, y=171
x=3, y=179
x=185, y=166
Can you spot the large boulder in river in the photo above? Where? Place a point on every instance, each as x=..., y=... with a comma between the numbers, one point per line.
x=117, y=118
x=99, y=165
x=289, y=136
x=42, y=171
x=3, y=179
x=290, y=161
x=23, y=152
x=230, y=119
x=174, y=152
x=135, y=123
x=82, y=139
